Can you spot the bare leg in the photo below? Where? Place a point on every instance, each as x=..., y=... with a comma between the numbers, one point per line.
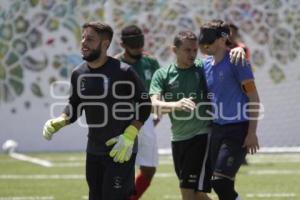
x=187, y=194
x=202, y=196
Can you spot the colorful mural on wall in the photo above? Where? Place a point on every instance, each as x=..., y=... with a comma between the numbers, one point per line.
x=38, y=35
x=270, y=28
x=39, y=44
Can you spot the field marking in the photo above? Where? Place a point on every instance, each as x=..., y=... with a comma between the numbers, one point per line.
x=164, y=175
x=178, y=197
x=22, y=157
x=249, y=195
x=158, y=175
x=62, y=176
x=271, y=195
x=168, y=151
x=172, y=197
x=69, y=164
x=41, y=176
x=258, y=158
x=28, y=198
x=274, y=172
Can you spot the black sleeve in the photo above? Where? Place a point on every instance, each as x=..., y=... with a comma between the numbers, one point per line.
x=141, y=97
x=71, y=110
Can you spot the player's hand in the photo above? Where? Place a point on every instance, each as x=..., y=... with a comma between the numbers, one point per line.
x=251, y=143
x=52, y=126
x=123, y=144
x=238, y=55
x=185, y=104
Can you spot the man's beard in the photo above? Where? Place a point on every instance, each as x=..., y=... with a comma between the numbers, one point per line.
x=135, y=57
x=94, y=55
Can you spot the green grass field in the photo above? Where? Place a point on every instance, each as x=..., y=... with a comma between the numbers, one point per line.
x=268, y=176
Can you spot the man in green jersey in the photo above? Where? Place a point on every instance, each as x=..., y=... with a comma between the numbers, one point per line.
x=182, y=86
x=132, y=41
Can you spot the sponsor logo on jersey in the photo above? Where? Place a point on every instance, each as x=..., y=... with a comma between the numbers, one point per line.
x=148, y=74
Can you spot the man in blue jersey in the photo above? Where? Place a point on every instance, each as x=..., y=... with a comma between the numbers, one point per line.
x=235, y=105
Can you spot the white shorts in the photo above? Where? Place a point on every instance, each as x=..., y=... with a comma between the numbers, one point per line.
x=147, y=145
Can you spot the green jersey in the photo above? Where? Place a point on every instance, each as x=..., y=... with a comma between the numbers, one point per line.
x=145, y=68
x=174, y=84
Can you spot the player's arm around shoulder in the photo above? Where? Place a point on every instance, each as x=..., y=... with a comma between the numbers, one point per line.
x=238, y=55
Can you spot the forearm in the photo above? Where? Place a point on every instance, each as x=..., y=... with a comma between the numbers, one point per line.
x=162, y=107
x=253, y=113
x=71, y=112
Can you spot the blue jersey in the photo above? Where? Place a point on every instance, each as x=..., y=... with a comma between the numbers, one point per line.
x=224, y=86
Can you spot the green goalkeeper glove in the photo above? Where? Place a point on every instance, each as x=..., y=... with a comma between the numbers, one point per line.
x=52, y=126
x=123, y=144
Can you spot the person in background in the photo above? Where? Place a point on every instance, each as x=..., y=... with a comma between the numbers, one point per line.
x=132, y=41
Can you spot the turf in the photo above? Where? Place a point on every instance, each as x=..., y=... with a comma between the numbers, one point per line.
x=268, y=176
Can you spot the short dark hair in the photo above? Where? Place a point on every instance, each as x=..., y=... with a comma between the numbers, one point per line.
x=213, y=30
x=183, y=35
x=131, y=30
x=132, y=36
x=104, y=30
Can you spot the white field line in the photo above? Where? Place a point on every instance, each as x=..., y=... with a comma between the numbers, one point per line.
x=22, y=157
x=69, y=164
x=158, y=175
x=167, y=160
x=65, y=158
x=258, y=158
x=167, y=151
x=279, y=150
x=79, y=161
x=41, y=176
x=249, y=195
x=271, y=195
x=165, y=175
x=28, y=198
x=60, y=176
x=174, y=197
x=274, y=172
x=178, y=197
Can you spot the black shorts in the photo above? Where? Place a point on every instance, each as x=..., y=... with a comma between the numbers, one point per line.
x=108, y=180
x=227, y=153
x=192, y=164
